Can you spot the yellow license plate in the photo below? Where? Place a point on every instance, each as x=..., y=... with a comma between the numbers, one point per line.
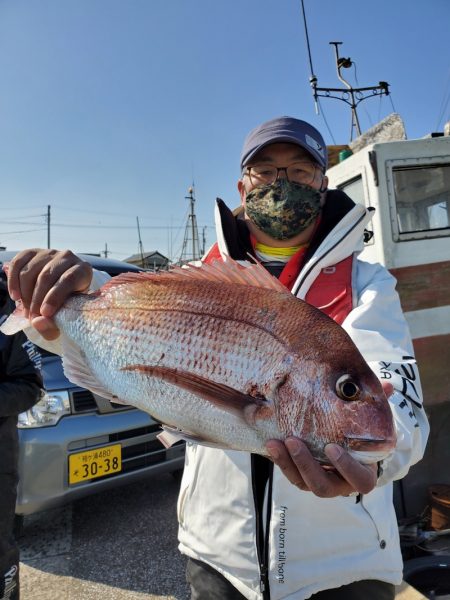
x=84, y=466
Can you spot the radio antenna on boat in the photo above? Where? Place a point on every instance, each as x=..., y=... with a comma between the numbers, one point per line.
x=350, y=95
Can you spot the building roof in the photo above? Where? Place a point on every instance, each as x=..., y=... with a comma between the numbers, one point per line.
x=145, y=255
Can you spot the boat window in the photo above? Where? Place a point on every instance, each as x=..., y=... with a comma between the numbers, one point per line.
x=422, y=198
x=354, y=189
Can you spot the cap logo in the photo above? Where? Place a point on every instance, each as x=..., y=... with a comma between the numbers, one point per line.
x=313, y=144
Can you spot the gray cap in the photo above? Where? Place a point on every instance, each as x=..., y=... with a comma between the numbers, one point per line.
x=285, y=129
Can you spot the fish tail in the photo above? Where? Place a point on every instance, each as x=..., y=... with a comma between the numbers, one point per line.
x=17, y=321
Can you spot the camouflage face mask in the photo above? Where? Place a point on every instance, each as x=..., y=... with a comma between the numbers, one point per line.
x=283, y=208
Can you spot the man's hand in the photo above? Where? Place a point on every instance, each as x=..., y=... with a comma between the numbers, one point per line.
x=306, y=473
x=43, y=280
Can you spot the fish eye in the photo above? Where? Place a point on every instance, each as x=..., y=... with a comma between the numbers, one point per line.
x=346, y=388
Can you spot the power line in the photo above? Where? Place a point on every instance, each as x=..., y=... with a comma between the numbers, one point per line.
x=322, y=112
x=392, y=102
x=99, y=226
x=94, y=212
x=23, y=231
x=85, y=226
x=364, y=106
x=444, y=103
x=24, y=217
x=307, y=41
x=81, y=211
x=19, y=208
x=102, y=213
x=4, y=222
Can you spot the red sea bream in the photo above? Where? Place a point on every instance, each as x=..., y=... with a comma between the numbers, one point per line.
x=224, y=355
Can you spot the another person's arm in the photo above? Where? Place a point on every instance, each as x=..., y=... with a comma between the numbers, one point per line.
x=20, y=377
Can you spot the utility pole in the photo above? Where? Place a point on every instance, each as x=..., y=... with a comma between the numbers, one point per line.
x=48, y=226
x=106, y=250
x=190, y=233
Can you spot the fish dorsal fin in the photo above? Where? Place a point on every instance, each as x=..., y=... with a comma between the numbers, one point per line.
x=227, y=271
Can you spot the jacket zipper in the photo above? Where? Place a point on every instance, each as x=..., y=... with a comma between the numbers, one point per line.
x=339, y=241
x=372, y=519
x=262, y=537
x=265, y=572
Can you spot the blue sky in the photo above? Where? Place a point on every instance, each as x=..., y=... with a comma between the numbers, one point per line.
x=109, y=109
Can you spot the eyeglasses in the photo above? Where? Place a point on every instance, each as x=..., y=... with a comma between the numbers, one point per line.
x=299, y=172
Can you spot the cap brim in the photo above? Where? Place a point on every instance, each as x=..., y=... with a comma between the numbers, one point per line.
x=290, y=140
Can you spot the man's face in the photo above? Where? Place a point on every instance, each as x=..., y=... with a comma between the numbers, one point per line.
x=280, y=155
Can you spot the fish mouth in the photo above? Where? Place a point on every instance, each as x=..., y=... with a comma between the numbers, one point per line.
x=370, y=450
x=369, y=444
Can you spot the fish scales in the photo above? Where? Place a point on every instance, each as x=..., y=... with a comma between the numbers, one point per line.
x=226, y=356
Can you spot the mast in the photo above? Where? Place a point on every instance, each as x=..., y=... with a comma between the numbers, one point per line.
x=141, y=247
x=190, y=233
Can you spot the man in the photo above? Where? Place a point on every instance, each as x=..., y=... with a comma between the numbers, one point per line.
x=249, y=529
x=20, y=388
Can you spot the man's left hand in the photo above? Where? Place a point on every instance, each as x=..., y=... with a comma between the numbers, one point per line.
x=306, y=473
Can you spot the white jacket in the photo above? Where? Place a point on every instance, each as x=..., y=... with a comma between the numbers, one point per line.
x=314, y=543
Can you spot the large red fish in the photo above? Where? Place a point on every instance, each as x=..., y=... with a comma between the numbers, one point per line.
x=223, y=354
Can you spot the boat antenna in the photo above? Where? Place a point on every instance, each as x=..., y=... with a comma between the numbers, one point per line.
x=312, y=78
x=350, y=95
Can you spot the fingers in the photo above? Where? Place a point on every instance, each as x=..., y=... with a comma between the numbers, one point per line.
x=19, y=268
x=303, y=471
x=45, y=327
x=388, y=388
x=361, y=478
x=323, y=483
x=282, y=458
x=43, y=279
x=306, y=473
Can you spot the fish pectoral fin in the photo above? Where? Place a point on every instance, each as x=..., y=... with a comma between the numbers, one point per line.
x=78, y=371
x=219, y=394
x=170, y=436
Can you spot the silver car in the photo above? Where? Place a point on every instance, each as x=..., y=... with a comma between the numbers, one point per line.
x=74, y=443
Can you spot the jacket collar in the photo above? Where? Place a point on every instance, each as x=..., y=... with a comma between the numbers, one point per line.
x=233, y=237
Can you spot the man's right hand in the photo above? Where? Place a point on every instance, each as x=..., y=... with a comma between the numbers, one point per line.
x=43, y=280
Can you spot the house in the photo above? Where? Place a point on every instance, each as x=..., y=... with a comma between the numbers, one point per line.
x=152, y=261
